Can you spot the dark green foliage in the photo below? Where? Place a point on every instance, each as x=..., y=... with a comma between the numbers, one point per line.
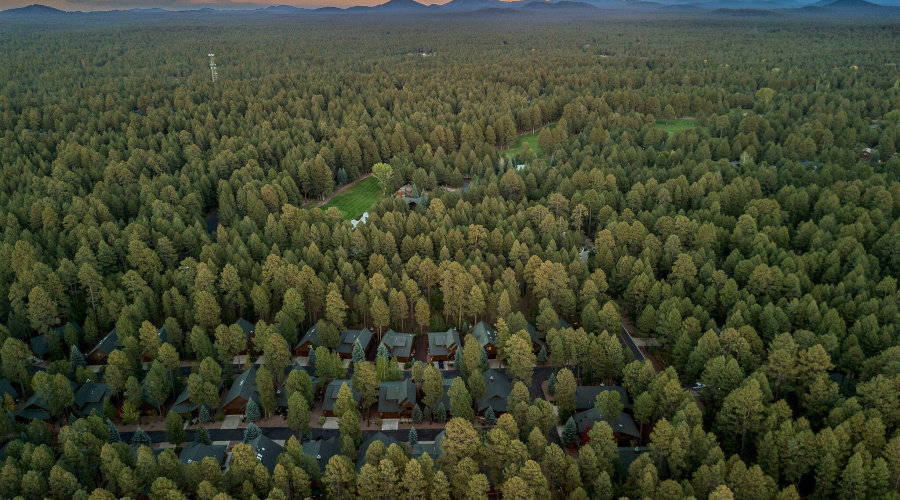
x=570, y=433
x=251, y=432
x=140, y=438
x=202, y=436
x=251, y=411
x=489, y=417
x=413, y=438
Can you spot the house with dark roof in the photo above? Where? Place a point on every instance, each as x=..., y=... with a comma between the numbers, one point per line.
x=196, y=452
x=249, y=330
x=628, y=455
x=331, y=395
x=624, y=429
x=364, y=447
x=487, y=337
x=433, y=449
x=396, y=399
x=90, y=397
x=586, y=395
x=33, y=409
x=399, y=345
x=7, y=390
x=442, y=346
x=309, y=341
x=498, y=389
x=536, y=341
x=98, y=355
x=241, y=391
x=39, y=346
x=351, y=337
x=322, y=450
x=267, y=451
x=281, y=399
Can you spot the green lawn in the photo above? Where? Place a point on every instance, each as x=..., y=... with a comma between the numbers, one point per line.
x=356, y=200
x=676, y=125
x=531, y=139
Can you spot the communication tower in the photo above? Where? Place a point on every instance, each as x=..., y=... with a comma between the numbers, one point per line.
x=212, y=66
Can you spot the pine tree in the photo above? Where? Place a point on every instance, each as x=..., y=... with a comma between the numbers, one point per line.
x=311, y=360
x=383, y=352
x=174, y=428
x=413, y=436
x=542, y=355
x=417, y=415
x=140, y=438
x=251, y=412
x=251, y=432
x=358, y=354
x=114, y=436
x=76, y=358
x=570, y=433
x=489, y=416
x=551, y=383
x=204, y=416
x=202, y=436
x=440, y=414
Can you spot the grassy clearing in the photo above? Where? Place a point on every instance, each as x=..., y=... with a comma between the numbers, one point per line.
x=355, y=200
x=676, y=125
x=531, y=139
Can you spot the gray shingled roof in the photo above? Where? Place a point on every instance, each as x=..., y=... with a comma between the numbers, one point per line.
x=586, y=395
x=331, y=394
x=434, y=450
x=196, y=452
x=91, y=392
x=623, y=422
x=390, y=394
x=484, y=334
x=267, y=451
x=498, y=390
x=398, y=344
x=439, y=342
x=39, y=346
x=246, y=326
x=322, y=450
x=350, y=337
x=312, y=336
x=7, y=388
x=108, y=344
x=244, y=386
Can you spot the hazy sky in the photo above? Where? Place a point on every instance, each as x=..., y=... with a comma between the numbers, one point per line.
x=87, y=5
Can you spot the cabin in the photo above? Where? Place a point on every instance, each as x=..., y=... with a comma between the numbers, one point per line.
x=442, y=346
x=98, y=355
x=624, y=429
x=267, y=451
x=40, y=347
x=396, y=399
x=249, y=330
x=33, y=408
x=628, y=455
x=322, y=450
x=351, y=337
x=241, y=391
x=487, y=337
x=196, y=452
x=309, y=342
x=90, y=397
x=536, y=341
x=7, y=391
x=433, y=449
x=497, y=390
x=399, y=345
x=586, y=395
x=331, y=395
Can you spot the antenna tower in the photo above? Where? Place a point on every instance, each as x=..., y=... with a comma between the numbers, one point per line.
x=212, y=66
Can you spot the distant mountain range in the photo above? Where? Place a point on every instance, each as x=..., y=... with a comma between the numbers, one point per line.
x=842, y=9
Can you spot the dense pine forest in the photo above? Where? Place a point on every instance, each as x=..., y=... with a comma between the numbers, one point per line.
x=699, y=214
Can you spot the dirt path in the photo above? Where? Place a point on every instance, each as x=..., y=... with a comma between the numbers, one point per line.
x=341, y=189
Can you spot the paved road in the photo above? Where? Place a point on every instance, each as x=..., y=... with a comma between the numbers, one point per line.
x=284, y=433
